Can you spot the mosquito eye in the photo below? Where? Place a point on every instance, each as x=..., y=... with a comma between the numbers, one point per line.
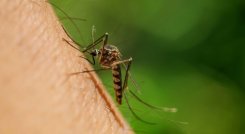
x=93, y=54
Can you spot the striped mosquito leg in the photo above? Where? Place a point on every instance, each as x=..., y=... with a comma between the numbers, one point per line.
x=117, y=80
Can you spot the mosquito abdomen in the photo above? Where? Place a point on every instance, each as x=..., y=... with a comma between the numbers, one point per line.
x=117, y=80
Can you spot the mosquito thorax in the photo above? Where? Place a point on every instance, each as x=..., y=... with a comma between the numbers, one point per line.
x=108, y=55
x=110, y=50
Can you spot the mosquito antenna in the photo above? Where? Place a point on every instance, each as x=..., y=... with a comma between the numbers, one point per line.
x=135, y=115
x=94, y=43
x=76, y=27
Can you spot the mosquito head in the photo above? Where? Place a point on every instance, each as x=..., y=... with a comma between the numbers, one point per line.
x=95, y=52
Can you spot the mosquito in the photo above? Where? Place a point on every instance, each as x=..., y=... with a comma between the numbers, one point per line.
x=110, y=58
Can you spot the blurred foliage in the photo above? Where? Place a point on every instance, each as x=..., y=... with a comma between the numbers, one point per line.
x=187, y=54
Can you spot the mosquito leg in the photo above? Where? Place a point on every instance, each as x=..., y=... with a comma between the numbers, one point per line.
x=74, y=24
x=105, y=39
x=143, y=102
x=125, y=82
x=122, y=61
x=87, y=71
x=68, y=42
x=91, y=62
x=70, y=38
x=96, y=42
x=134, y=114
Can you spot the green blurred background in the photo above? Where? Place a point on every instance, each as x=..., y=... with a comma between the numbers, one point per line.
x=188, y=54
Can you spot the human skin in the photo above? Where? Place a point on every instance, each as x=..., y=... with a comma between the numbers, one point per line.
x=38, y=93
